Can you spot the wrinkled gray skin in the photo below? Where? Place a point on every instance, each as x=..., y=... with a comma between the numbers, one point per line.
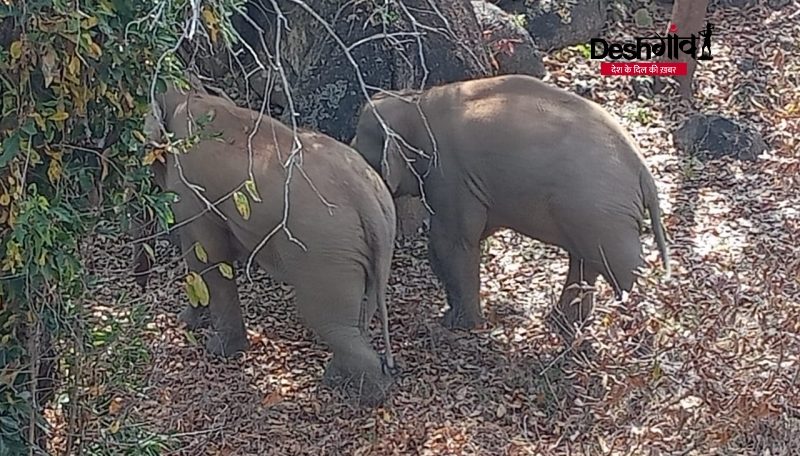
x=514, y=152
x=340, y=275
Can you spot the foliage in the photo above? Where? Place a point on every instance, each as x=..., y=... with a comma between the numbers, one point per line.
x=584, y=49
x=76, y=84
x=520, y=20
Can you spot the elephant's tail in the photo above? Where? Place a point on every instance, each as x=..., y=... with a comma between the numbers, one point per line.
x=381, y=239
x=653, y=206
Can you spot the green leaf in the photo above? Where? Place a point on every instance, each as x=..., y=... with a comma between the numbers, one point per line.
x=196, y=289
x=10, y=149
x=226, y=270
x=29, y=127
x=242, y=204
x=89, y=22
x=250, y=185
x=642, y=18
x=190, y=337
x=59, y=115
x=200, y=253
x=149, y=249
x=16, y=49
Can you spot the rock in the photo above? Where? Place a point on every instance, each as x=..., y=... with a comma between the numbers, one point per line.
x=326, y=92
x=778, y=4
x=643, y=18
x=512, y=49
x=642, y=86
x=584, y=87
x=712, y=137
x=559, y=24
x=735, y=3
x=746, y=64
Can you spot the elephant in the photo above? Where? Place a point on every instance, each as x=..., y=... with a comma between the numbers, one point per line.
x=687, y=17
x=514, y=152
x=325, y=225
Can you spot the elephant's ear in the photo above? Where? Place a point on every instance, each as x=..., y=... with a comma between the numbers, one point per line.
x=154, y=130
x=393, y=166
x=154, y=124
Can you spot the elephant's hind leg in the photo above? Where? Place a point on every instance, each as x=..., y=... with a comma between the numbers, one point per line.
x=333, y=306
x=619, y=259
x=616, y=256
x=576, y=302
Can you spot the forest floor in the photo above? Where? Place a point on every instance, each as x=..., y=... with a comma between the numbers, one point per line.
x=720, y=375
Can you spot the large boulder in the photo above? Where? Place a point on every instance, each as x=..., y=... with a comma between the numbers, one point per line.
x=332, y=57
x=559, y=24
x=711, y=137
x=740, y=4
x=512, y=50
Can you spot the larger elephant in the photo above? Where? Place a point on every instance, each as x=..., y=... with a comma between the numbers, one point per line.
x=325, y=224
x=514, y=152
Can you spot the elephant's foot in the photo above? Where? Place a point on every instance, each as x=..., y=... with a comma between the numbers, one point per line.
x=564, y=325
x=369, y=387
x=194, y=317
x=461, y=319
x=561, y=325
x=230, y=346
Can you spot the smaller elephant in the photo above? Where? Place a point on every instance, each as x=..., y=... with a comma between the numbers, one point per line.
x=514, y=152
x=325, y=224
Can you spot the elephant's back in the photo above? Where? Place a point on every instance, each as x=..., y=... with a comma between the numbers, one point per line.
x=345, y=173
x=539, y=150
x=338, y=206
x=523, y=124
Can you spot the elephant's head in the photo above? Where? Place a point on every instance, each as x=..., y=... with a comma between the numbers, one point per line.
x=167, y=109
x=388, y=137
x=162, y=108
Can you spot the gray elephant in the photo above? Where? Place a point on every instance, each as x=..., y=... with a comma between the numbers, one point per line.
x=338, y=241
x=514, y=152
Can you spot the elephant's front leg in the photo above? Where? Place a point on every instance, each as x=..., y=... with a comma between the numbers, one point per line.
x=194, y=317
x=228, y=335
x=455, y=258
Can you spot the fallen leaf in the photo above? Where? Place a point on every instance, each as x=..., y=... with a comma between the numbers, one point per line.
x=272, y=399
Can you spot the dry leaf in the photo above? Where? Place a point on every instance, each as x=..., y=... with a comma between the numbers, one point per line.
x=115, y=406
x=272, y=399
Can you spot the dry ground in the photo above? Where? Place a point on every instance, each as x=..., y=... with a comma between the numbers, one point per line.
x=721, y=376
